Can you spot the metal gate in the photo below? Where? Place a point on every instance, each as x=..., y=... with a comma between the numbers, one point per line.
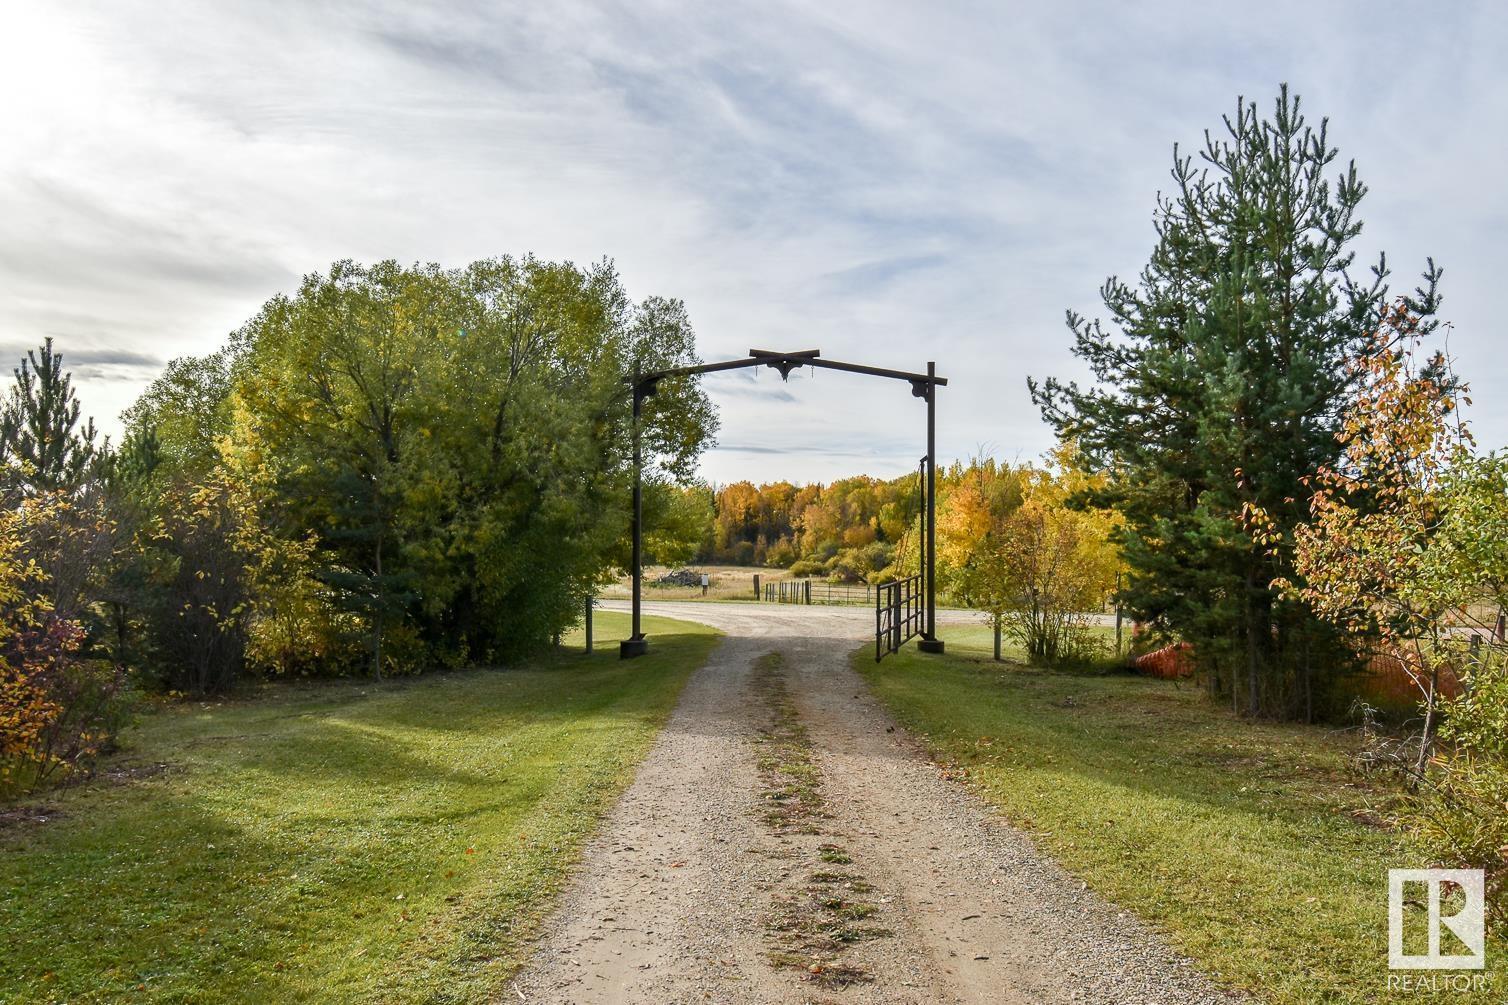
x=908, y=604
x=899, y=614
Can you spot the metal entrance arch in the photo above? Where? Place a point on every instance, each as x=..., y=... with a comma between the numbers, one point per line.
x=923, y=385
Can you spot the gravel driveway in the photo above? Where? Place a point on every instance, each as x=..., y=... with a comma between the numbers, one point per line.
x=684, y=893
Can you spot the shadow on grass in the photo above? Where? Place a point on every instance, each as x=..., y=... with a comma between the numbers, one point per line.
x=331, y=840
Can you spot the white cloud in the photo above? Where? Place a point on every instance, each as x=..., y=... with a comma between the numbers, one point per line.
x=890, y=183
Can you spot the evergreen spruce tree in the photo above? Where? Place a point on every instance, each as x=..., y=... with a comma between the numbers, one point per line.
x=43, y=447
x=1218, y=386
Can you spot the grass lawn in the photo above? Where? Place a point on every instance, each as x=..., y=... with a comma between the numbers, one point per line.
x=337, y=841
x=1242, y=842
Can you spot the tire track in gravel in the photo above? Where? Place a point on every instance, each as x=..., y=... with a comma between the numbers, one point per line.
x=668, y=903
x=674, y=898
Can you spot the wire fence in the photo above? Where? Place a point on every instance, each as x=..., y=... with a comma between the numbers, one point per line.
x=842, y=593
x=810, y=591
x=756, y=587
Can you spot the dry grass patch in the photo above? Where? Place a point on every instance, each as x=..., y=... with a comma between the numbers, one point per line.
x=810, y=928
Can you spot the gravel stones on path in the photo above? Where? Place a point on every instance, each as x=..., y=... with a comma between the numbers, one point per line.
x=686, y=893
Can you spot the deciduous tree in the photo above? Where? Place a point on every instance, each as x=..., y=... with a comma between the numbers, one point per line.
x=1372, y=557
x=1011, y=545
x=1407, y=537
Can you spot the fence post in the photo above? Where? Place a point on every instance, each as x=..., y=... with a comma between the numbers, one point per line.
x=589, y=606
x=895, y=618
x=1117, y=616
x=756, y=586
x=808, y=591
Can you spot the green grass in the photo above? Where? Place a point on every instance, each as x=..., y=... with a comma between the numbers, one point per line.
x=336, y=842
x=1248, y=845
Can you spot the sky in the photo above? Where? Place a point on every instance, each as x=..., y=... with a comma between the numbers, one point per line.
x=890, y=183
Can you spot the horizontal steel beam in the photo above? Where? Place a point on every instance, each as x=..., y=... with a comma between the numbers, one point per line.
x=785, y=362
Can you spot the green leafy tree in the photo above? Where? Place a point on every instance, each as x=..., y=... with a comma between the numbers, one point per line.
x=207, y=579
x=335, y=374
x=677, y=522
x=196, y=586
x=1218, y=386
x=173, y=438
x=405, y=465
x=458, y=441
x=182, y=417
x=1459, y=810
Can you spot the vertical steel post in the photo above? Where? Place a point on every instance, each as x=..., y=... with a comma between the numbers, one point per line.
x=636, y=644
x=1117, y=614
x=590, y=603
x=930, y=643
x=638, y=517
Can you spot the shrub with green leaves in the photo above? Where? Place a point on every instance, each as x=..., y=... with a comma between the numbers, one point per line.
x=1462, y=813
